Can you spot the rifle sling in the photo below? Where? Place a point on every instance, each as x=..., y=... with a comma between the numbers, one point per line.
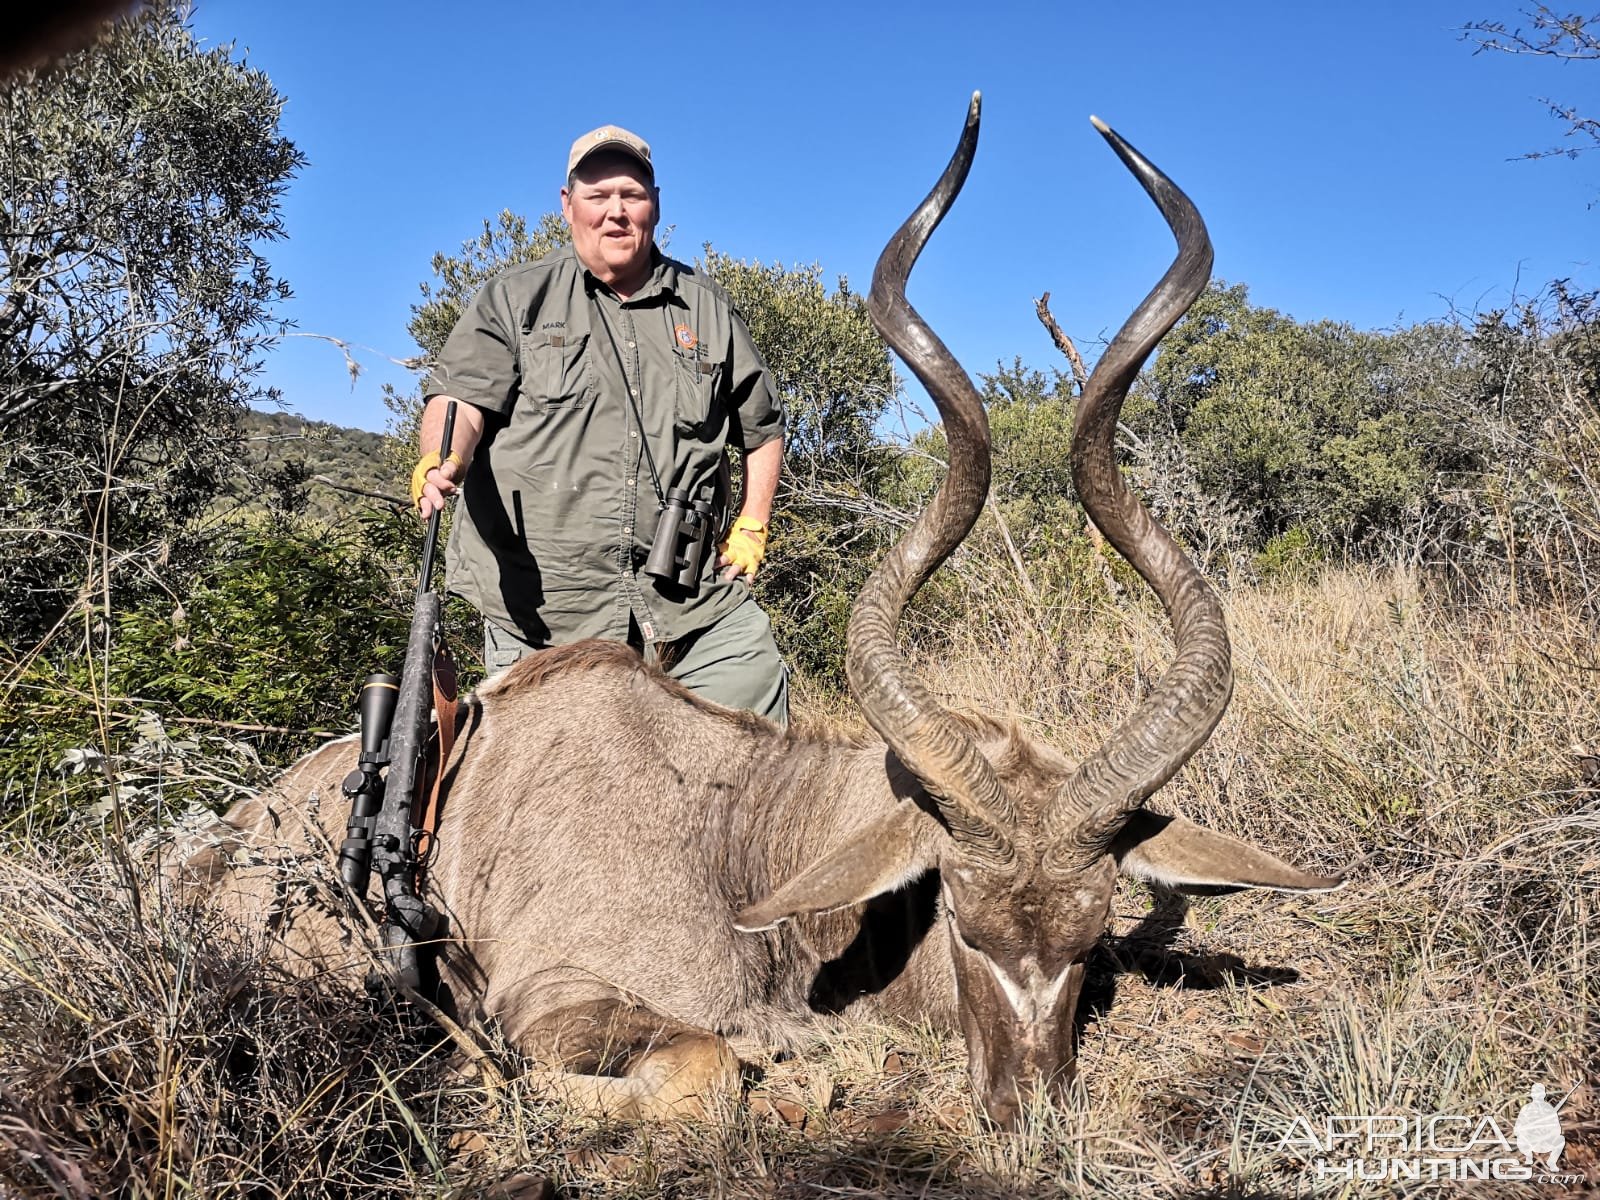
x=425, y=813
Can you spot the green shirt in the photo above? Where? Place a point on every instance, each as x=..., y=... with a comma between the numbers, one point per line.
x=559, y=505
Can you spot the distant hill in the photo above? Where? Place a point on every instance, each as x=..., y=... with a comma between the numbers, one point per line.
x=299, y=454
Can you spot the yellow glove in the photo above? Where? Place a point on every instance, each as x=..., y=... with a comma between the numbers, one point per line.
x=746, y=546
x=419, y=473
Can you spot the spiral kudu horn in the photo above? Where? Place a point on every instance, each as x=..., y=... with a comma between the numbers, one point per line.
x=940, y=752
x=1175, y=719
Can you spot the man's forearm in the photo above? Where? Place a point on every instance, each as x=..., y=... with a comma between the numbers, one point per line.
x=464, y=438
x=762, y=466
x=431, y=490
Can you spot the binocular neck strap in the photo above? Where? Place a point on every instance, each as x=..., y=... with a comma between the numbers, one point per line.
x=633, y=403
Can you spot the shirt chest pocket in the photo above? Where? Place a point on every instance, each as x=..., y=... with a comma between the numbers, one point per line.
x=557, y=373
x=697, y=382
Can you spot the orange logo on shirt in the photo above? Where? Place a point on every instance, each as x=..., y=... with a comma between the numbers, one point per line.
x=685, y=336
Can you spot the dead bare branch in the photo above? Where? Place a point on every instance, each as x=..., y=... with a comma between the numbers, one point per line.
x=1065, y=344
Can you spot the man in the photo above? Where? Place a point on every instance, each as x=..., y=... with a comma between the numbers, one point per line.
x=599, y=388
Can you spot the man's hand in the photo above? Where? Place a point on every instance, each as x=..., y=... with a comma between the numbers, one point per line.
x=742, y=553
x=433, y=482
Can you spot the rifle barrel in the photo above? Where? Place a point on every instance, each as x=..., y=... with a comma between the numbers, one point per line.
x=431, y=542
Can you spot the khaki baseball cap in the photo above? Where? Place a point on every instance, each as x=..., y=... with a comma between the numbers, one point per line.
x=611, y=137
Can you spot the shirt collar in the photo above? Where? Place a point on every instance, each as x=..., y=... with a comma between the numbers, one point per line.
x=663, y=277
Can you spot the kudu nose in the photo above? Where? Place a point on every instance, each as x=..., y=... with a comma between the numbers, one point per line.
x=1003, y=1107
x=1004, y=1103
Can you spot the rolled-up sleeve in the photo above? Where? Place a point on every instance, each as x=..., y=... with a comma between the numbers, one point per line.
x=479, y=361
x=753, y=401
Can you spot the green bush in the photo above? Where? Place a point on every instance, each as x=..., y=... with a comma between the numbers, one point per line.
x=142, y=182
x=265, y=650
x=1292, y=557
x=277, y=630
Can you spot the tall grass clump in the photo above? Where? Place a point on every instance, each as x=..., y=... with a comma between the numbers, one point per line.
x=150, y=1050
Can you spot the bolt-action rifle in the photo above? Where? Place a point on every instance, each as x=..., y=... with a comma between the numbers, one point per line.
x=395, y=724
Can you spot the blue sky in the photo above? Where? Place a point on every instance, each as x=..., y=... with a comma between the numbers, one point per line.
x=1353, y=161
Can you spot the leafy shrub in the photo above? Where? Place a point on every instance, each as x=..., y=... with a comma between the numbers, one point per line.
x=1291, y=557
x=277, y=630
x=142, y=185
x=267, y=645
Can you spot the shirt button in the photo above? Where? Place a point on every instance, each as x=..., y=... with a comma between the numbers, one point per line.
x=630, y=345
x=635, y=391
x=631, y=482
x=633, y=433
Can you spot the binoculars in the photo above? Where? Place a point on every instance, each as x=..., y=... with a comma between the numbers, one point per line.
x=683, y=534
x=363, y=787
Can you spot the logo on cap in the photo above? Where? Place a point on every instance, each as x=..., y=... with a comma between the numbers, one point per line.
x=611, y=137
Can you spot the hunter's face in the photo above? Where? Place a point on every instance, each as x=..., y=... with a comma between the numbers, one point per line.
x=612, y=209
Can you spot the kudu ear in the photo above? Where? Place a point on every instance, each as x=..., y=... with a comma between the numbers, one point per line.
x=1188, y=858
x=888, y=854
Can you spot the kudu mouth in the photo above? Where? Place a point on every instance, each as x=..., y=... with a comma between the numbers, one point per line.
x=1012, y=1056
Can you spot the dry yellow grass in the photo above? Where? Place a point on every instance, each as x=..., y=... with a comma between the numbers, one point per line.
x=1429, y=753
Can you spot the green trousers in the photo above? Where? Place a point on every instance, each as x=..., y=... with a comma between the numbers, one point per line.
x=733, y=663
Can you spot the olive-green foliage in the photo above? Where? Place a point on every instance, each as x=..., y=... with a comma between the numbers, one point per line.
x=1032, y=540
x=142, y=179
x=1030, y=421
x=1030, y=427
x=833, y=373
x=1315, y=425
x=1534, y=508
x=275, y=628
x=505, y=242
x=1278, y=445
x=290, y=465
x=1290, y=558
x=828, y=364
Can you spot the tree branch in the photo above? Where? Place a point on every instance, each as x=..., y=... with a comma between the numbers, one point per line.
x=392, y=501
x=1080, y=377
x=1011, y=550
x=1554, y=36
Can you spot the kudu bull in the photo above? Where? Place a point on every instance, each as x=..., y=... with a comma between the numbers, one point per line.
x=632, y=876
